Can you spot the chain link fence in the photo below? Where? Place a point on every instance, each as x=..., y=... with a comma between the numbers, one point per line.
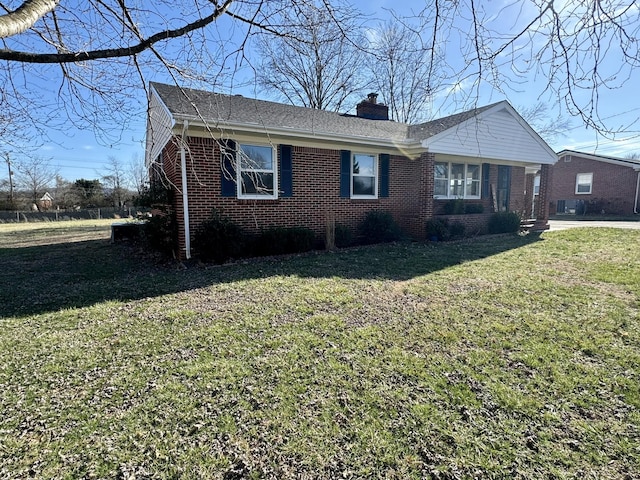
x=71, y=214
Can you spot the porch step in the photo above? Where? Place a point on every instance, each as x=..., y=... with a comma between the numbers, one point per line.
x=527, y=224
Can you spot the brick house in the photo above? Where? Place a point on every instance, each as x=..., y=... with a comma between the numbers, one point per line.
x=268, y=164
x=594, y=184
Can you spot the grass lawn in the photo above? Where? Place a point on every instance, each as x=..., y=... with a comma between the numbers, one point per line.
x=502, y=357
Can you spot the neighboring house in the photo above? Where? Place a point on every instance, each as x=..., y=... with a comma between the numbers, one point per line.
x=45, y=202
x=594, y=184
x=267, y=164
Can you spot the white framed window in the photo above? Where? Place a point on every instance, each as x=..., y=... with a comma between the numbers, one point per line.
x=364, y=175
x=584, y=182
x=457, y=180
x=257, y=173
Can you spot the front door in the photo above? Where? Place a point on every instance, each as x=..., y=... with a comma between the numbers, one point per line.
x=504, y=186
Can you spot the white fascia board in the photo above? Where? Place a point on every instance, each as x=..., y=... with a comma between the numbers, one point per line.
x=530, y=167
x=306, y=138
x=531, y=131
x=550, y=156
x=160, y=125
x=598, y=158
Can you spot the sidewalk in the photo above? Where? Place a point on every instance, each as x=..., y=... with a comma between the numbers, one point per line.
x=564, y=224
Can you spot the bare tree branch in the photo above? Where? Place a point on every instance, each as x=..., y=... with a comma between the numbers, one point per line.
x=25, y=16
x=144, y=44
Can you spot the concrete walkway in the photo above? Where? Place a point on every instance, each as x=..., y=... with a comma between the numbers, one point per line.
x=564, y=224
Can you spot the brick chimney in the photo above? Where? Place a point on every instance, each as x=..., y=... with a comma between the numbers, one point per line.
x=371, y=109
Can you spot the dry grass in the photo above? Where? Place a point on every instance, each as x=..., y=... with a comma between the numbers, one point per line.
x=505, y=357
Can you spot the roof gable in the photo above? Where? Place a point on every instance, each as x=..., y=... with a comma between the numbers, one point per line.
x=493, y=132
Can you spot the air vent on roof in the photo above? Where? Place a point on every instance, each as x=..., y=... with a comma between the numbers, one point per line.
x=567, y=158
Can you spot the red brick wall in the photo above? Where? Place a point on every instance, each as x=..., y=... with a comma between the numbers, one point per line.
x=613, y=187
x=316, y=193
x=528, y=195
x=517, y=194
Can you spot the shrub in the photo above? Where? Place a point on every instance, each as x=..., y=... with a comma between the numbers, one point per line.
x=454, y=207
x=343, y=236
x=154, y=194
x=473, y=208
x=281, y=240
x=504, y=222
x=379, y=227
x=460, y=207
x=457, y=230
x=160, y=232
x=437, y=229
x=218, y=239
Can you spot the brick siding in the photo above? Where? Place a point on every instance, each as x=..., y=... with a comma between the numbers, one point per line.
x=613, y=187
x=316, y=192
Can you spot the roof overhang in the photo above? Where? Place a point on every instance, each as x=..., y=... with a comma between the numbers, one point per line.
x=291, y=136
x=600, y=158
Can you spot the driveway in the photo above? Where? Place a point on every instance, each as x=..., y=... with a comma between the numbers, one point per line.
x=564, y=224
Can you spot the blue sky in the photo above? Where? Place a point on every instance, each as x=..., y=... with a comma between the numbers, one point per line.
x=78, y=153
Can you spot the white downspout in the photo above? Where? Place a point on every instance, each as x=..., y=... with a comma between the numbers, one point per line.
x=185, y=197
x=635, y=205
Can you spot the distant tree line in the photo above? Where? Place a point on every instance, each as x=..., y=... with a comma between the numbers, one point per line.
x=32, y=183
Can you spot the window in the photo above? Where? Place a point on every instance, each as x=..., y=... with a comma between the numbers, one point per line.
x=583, y=183
x=364, y=176
x=256, y=171
x=456, y=180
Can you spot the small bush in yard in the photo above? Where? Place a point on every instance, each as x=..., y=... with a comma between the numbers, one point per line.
x=283, y=240
x=454, y=207
x=437, y=229
x=219, y=239
x=457, y=230
x=343, y=236
x=379, y=227
x=160, y=232
x=504, y=222
x=471, y=208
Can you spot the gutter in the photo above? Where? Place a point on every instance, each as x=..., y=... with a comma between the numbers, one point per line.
x=412, y=147
x=635, y=205
x=185, y=196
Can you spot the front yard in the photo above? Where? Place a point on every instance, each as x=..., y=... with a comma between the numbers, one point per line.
x=502, y=357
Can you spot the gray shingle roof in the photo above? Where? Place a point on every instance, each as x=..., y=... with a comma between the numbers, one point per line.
x=429, y=129
x=216, y=108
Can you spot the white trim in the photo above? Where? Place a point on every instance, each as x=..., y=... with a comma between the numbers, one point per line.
x=160, y=125
x=376, y=176
x=464, y=196
x=273, y=171
x=293, y=136
x=635, y=205
x=481, y=117
x=590, y=183
x=185, y=196
x=635, y=164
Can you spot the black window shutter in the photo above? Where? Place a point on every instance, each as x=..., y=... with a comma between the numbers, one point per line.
x=345, y=173
x=286, y=171
x=228, y=168
x=485, y=180
x=384, y=175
